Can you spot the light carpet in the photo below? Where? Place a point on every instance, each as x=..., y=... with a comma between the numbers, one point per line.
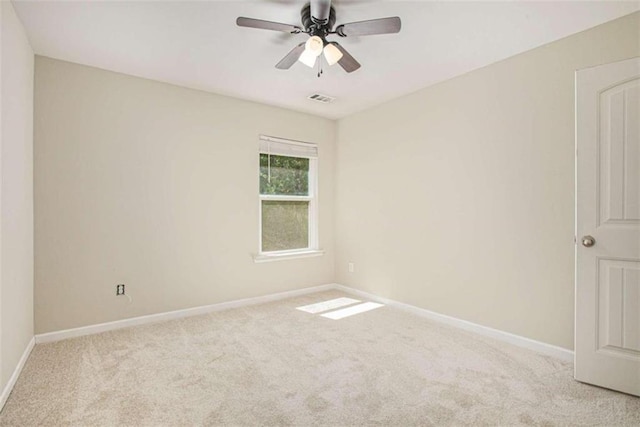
x=274, y=365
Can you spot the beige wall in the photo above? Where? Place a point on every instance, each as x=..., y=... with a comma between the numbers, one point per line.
x=16, y=193
x=459, y=198
x=155, y=186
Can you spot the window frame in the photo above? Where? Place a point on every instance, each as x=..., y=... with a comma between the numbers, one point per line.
x=313, y=248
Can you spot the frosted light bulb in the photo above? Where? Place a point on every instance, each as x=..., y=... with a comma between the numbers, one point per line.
x=308, y=58
x=314, y=44
x=332, y=54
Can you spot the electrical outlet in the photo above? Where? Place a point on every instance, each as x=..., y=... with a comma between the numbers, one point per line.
x=352, y=267
x=120, y=289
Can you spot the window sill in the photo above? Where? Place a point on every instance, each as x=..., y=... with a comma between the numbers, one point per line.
x=279, y=256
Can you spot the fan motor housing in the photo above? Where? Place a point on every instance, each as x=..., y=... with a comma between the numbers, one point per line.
x=308, y=21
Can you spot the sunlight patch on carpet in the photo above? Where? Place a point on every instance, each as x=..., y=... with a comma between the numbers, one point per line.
x=319, y=307
x=350, y=311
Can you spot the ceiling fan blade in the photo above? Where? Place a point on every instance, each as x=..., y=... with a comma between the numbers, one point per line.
x=371, y=27
x=347, y=61
x=291, y=57
x=267, y=25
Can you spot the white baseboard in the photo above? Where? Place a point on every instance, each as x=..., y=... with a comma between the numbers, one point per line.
x=177, y=314
x=16, y=373
x=537, y=346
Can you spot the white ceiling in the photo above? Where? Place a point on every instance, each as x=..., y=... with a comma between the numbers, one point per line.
x=197, y=44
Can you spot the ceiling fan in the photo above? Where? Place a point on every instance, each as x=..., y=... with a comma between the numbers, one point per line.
x=318, y=19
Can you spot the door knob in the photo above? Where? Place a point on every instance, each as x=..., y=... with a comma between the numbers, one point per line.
x=588, y=241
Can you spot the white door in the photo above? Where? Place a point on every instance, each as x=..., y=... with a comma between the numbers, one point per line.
x=607, y=347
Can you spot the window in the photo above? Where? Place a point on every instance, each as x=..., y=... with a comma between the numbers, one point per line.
x=288, y=199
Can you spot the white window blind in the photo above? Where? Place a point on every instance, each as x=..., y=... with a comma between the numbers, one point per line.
x=284, y=147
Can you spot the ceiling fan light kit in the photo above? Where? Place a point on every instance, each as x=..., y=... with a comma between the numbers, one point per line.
x=314, y=47
x=318, y=18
